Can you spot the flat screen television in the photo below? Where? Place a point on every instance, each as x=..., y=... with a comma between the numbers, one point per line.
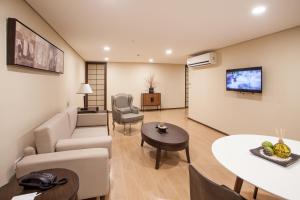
x=244, y=79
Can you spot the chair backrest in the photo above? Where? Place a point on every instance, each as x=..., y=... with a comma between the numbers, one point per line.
x=202, y=188
x=121, y=101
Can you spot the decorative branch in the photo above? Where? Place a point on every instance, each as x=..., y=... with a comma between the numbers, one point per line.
x=150, y=81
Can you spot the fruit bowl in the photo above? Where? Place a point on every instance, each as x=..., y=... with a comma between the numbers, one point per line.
x=279, y=153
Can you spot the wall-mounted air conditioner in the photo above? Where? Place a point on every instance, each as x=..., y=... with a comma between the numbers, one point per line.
x=204, y=59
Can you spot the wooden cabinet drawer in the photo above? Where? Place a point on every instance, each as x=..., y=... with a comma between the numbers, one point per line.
x=151, y=99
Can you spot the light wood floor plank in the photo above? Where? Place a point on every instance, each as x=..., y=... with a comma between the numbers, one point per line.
x=133, y=176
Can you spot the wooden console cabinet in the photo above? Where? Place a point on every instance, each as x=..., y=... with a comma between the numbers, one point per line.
x=150, y=99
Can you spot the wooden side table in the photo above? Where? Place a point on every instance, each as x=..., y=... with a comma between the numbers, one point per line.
x=150, y=99
x=67, y=191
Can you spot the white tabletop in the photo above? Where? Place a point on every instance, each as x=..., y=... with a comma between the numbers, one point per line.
x=233, y=153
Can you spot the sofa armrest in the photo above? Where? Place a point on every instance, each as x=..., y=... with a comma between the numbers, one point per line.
x=92, y=119
x=91, y=165
x=84, y=143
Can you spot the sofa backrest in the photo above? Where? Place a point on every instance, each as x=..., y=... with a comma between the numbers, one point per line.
x=47, y=134
x=72, y=117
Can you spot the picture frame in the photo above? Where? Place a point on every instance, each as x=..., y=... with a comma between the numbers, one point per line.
x=27, y=48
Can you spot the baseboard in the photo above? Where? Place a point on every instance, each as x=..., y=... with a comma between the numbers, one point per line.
x=208, y=126
x=162, y=109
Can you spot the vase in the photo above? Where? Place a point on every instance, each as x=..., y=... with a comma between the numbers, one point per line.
x=151, y=90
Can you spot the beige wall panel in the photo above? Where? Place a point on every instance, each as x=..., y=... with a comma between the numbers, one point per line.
x=31, y=97
x=234, y=113
x=131, y=78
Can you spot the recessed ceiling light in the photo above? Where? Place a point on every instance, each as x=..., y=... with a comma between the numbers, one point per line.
x=259, y=10
x=151, y=60
x=106, y=58
x=169, y=51
x=106, y=48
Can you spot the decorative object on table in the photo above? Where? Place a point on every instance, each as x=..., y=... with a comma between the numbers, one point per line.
x=280, y=153
x=150, y=100
x=162, y=128
x=41, y=180
x=27, y=48
x=280, y=149
x=151, y=83
x=85, y=89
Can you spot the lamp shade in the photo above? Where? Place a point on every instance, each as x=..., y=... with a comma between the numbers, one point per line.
x=85, y=89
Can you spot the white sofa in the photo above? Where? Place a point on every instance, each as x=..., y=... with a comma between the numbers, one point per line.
x=77, y=142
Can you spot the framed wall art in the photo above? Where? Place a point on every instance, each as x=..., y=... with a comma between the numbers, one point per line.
x=27, y=48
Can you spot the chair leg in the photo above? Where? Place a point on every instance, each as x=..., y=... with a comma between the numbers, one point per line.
x=255, y=192
x=124, y=129
x=102, y=197
x=113, y=125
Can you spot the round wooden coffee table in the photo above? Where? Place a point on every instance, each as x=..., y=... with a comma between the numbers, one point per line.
x=67, y=191
x=175, y=139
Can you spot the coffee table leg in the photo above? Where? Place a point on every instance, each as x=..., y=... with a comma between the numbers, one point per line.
x=187, y=152
x=158, y=152
x=142, y=142
x=238, y=184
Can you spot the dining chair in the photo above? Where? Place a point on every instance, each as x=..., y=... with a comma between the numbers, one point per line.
x=202, y=188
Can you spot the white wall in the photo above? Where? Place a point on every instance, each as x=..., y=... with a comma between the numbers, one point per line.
x=131, y=78
x=29, y=97
x=279, y=104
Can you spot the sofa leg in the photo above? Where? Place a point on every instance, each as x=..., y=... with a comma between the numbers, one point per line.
x=124, y=129
x=130, y=128
x=102, y=197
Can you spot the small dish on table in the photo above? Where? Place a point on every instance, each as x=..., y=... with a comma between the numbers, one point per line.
x=162, y=128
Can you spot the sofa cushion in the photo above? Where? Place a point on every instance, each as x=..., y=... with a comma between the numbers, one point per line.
x=84, y=143
x=72, y=116
x=93, y=131
x=92, y=119
x=47, y=134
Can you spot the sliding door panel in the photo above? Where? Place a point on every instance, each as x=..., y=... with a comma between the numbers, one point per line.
x=96, y=77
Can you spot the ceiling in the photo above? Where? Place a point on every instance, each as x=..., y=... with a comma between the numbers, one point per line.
x=137, y=30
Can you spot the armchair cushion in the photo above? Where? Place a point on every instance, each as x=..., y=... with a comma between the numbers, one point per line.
x=124, y=110
x=84, y=143
x=131, y=118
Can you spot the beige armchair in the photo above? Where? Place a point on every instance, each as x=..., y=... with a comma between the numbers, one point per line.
x=123, y=112
x=77, y=142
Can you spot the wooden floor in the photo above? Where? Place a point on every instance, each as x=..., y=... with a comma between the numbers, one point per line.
x=133, y=176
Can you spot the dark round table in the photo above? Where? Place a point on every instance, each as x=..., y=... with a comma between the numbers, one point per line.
x=67, y=191
x=175, y=139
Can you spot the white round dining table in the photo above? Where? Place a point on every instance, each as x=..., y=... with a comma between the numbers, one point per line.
x=233, y=153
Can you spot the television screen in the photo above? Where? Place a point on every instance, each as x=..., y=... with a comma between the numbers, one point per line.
x=244, y=79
